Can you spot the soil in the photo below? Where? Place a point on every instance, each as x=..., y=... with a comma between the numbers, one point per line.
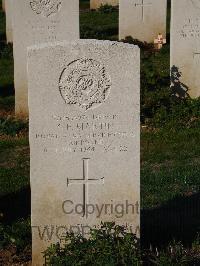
x=10, y=257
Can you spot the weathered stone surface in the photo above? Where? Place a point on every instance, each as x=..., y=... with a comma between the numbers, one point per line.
x=142, y=19
x=94, y=4
x=185, y=48
x=33, y=23
x=84, y=137
x=9, y=34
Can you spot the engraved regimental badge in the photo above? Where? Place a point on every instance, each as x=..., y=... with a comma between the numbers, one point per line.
x=85, y=83
x=45, y=7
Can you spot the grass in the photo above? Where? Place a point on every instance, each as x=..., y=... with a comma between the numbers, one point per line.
x=174, y=146
x=170, y=165
x=99, y=25
x=6, y=67
x=14, y=165
x=7, y=105
x=6, y=60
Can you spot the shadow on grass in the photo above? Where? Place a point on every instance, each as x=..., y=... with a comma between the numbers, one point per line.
x=7, y=90
x=15, y=206
x=178, y=219
x=179, y=89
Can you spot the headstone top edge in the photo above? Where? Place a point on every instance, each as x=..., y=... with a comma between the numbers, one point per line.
x=80, y=42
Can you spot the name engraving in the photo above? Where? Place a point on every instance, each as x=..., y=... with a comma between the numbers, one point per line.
x=86, y=134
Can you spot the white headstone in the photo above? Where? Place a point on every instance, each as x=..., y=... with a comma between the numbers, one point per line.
x=142, y=19
x=38, y=22
x=94, y=4
x=84, y=138
x=9, y=27
x=185, y=48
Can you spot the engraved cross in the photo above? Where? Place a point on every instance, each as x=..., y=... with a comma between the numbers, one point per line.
x=143, y=5
x=85, y=181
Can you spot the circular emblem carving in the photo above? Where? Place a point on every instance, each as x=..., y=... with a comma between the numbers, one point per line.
x=85, y=83
x=45, y=7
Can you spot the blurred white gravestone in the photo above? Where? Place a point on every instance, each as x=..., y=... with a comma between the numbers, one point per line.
x=38, y=22
x=84, y=100
x=94, y=4
x=142, y=19
x=9, y=26
x=185, y=48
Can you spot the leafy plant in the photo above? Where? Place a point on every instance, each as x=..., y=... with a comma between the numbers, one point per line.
x=18, y=234
x=11, y=126
x=3, y=237
x=109, y=245
x=6, y=50
x=159, y=107
x=140, y=44
x=174, y=255
x=107, y=9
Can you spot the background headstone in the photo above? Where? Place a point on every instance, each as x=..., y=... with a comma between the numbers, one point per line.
x=94, y=4
x=84, y=137
x=185, y=48
x=142, y=19
x=9, y=34
x=35, y=22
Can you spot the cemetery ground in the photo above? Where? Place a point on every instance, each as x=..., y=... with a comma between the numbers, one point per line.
x=170, y=157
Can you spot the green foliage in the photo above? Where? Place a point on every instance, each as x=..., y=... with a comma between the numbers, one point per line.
x=11, y=143
x=162, y=146
x=180, y=114
x=142, y=45
x=7, y=103
x=11, y=126
x=2, y=26
x=109, y=245
x=18, y=234
x=155, y=79
x=6, y=58
x=98, y=25
x=14, y=165
x=13, y=179
x=6, y=68
x=159, y=108
x=107, y=9
x=6, y=50
x=165, y=182
x=155, y=83
x=3, y=237
x=175, y=255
